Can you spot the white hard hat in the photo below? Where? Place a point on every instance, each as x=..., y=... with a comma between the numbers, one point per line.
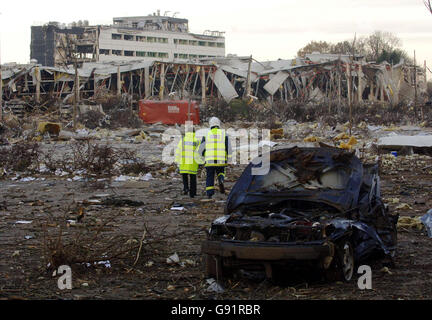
x=214, y=122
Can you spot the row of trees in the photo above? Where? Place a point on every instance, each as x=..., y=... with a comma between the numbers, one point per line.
x=379, y=46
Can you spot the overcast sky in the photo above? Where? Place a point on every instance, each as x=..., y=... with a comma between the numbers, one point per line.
x=268, y=29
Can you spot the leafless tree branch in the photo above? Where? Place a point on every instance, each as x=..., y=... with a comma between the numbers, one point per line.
x=428, y=5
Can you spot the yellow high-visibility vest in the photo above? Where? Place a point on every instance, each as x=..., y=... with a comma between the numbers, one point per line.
x=185, y=154
x=215, y=152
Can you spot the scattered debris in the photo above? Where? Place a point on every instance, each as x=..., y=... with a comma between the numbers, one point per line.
x=173, y=259
x=386, y=270
x=49, y=127
x=408, y=222
x=23, y=222
x=214, y=286
x=177, y=207
x=404, y=206
x=121, y=202
x=427, y=221
x=149, y=264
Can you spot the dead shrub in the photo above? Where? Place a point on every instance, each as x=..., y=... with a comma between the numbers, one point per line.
x=52, y=163
x=20, y=157
x=237, y=109
x=96, y=160
x=331, y=113
x=131, y=163
x=124, y=118
x=84, y=243
x=108, y=101
x=93, y=241
x=93, y=119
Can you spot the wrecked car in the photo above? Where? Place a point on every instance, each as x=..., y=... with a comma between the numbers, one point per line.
x=319, y=207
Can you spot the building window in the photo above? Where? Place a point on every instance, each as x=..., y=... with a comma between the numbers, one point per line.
x=151, y=39
x=104, y=51
x=202, y=43
x=140, y=54
x=162, y=40
x=183, y=42
x=200, y=56
x=140, y=38
x=151, y=54
x=175, y=41
x=211, y=44
x=193, y=42
x=221, y=45
x=163, y=55
x=175, y=55
x=128, y=37
x=117, y=52
x=193, y=56
x=183, y=56
x=116, y=36
x=129, y=53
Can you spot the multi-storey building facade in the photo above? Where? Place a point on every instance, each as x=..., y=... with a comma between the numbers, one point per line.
x=153, y=37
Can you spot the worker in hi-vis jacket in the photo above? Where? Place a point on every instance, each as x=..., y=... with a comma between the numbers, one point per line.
x=215, y=147
x=186, y=158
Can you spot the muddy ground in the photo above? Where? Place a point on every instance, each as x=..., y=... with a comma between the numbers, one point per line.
x=48, y=203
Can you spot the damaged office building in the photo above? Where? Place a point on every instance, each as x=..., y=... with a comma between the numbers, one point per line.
x=149, y=37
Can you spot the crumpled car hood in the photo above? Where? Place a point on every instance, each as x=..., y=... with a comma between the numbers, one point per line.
x=321, y=175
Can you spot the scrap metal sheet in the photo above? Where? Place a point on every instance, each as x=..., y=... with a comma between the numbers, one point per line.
x=274, y=84
x=422, y=141
x=224, y=85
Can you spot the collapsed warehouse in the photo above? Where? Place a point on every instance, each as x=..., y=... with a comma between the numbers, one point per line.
x=318, y=78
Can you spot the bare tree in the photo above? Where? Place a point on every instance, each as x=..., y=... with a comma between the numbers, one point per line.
x=428, y=5
x=372, y=46
x=315, y=46
x=380, y=41
x=67, y=51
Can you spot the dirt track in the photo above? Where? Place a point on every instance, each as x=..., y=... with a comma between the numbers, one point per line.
x=47, y=203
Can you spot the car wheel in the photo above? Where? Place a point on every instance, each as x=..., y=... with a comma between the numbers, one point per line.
x=346, y=261
x=393, y=253
x=342, y=267
x=212, y=266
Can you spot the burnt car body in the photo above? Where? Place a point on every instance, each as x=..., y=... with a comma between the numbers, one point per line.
x=319, y=206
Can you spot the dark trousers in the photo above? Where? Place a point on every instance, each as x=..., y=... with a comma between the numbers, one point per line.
x=211, y=172
x=193, y=184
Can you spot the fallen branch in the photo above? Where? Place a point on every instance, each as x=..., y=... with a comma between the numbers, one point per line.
x=140, y=247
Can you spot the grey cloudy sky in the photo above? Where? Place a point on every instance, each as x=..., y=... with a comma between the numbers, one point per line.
x=268, y=29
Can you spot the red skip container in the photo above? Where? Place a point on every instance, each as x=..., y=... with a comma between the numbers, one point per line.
x=169, y=111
